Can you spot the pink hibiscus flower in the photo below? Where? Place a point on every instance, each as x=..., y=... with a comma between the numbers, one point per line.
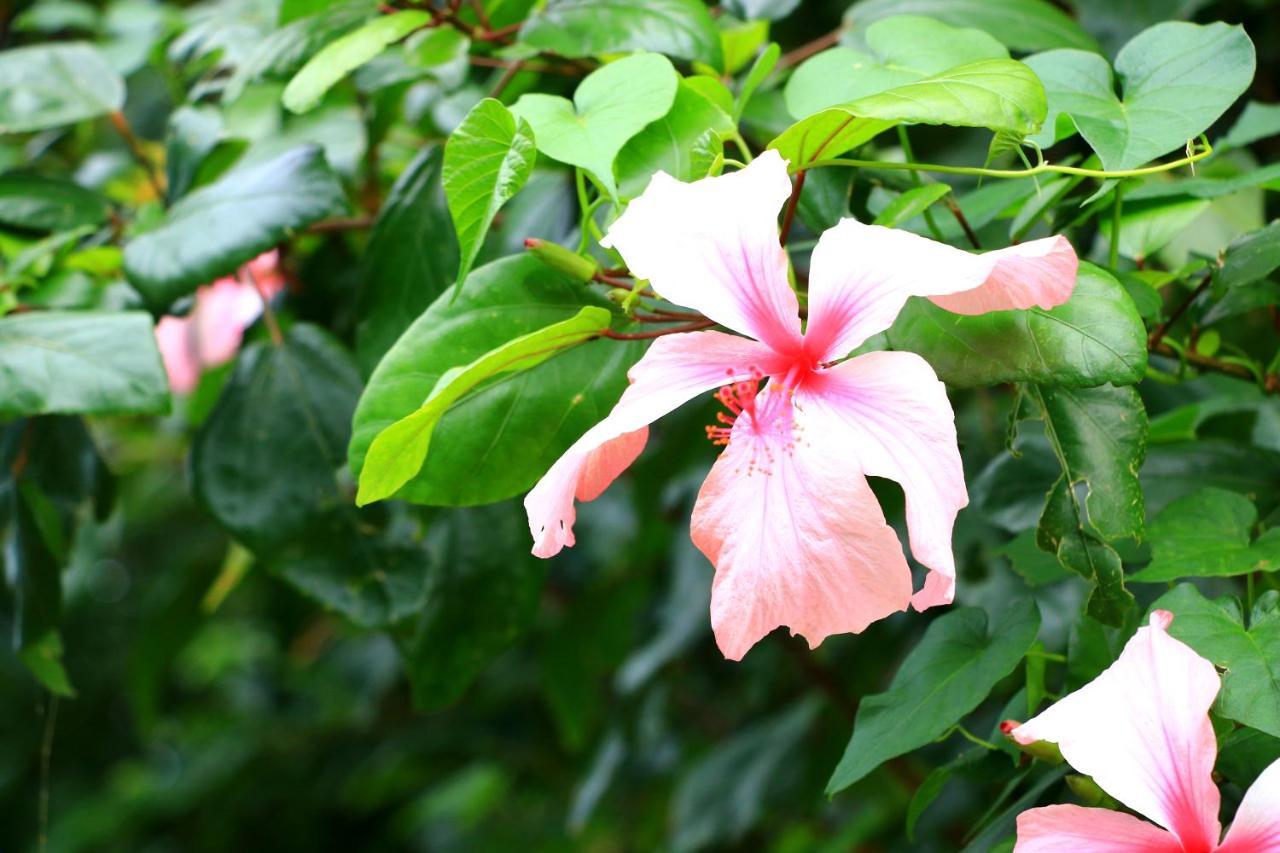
x=211, y=333
x=1142, y=731
x=786, y=515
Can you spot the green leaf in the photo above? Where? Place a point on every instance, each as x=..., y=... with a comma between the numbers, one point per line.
x=999, y=94
x=1099, y=436
x=502, y=438
x=487, y=159
x=373, y=582
x=411, y=258
x=1250, y=257
x=1248, y=657
x=80, y=362
x=904, y=49
x=1094, y=337
x=670, y=143
x=215, y=229
x=759, y=72
x=575, y=28
x=1030, y=562
x=264, y=461
x=1177, y=79
x=33, y=573
x=1021, y=25
x=1179, y=468
x=45, y=86
x=397, y=453
x=727, y=791
x=910, y=204
x=341, y=57
x=39, y=203
x=1208, y=534
x=611, y=105
x=44, y=659
x=1147, y=226
x=1258, y=121
x=957, y=662
x=481, y=596
x=194, y=132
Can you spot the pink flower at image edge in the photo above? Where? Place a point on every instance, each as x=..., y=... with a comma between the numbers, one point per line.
x=786, y=515
x=1142, y=731
x=211, y=332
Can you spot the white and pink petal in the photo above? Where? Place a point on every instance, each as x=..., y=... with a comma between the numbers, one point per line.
x=1256, y=828
x=1074, y=829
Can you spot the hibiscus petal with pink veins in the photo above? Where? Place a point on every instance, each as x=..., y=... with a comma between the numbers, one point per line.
x=896, y=422
x=861, y=276
x=795, y=533
x=712, y=245
x=1142, y=731
x=675, y=369
x=1256, y=828
x=1073, y=829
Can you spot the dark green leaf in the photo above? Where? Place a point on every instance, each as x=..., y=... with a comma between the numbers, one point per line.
x=80, y=362
x=1208, y=534
x=670, y=143
x=264, y=462
x=411, y=258
x=45, y=86
x=48, y=204
x=487, y=160
x=501, y=439
x=482, y=594
x=1095, y=337
x=215, y=229
x=574, y=28
x=951, y=670
x=1215, y=629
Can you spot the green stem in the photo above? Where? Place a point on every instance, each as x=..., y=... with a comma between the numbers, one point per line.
x=1202, y=150
x=905, y=141
x=742, y=146
x=972, y=738
x=1113, y=256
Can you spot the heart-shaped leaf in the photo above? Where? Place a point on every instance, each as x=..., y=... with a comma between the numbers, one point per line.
x=904, y=49
x=486, y=161
x=1208, y=534
x=397, y=453
x=1000, y=94
x=611, y=105
x=1177, y=79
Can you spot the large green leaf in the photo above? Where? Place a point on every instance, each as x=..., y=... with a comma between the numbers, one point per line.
x=611, y=105
x=1208, y=534
x=501, y=439
x=264, y=462
x=1000, y=94
x=397, y=453
x=680, y=28
x=1177, y=78
x=671, y=144
x=48, y=204
x=487, y=160
x=46, y=86
x=80, y=362
x=729, y=789
x=951, y=670
x=411, y=258
x=215, y=229
x=341, y=57
x=1093, y=338
x=1249, y=658
x=1022, y=25
x=904, y=49
x=482, y=593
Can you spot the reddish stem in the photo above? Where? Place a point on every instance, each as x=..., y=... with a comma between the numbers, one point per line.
x=645, y=336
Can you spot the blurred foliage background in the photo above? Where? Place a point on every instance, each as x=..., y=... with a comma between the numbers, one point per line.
x=408, y=678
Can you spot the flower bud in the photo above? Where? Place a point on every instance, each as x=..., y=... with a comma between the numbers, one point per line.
x=1040, y=749
x=562, y=260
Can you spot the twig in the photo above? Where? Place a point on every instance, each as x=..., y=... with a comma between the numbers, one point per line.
x=1270, y=382
x=268, y=315
x=46, y=762
x=131, y=141
x=507, y=76
x=565, y=69
x=964, y=223
x=792, y=203
x=1157, y=335
x=804, y=51
x=658, y=333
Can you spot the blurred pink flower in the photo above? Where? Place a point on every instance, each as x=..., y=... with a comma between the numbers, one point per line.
x=1142, y=731
x=211, y=332
x=786, y=514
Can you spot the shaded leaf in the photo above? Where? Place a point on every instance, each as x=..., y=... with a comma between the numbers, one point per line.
x=1208, y=534
x=48, y=204
x=1021, y=24
x=681, y=28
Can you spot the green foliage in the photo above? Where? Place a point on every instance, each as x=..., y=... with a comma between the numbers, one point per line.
x=286, y=593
